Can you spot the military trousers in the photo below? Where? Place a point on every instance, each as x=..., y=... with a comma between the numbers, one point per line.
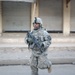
x=37, y=62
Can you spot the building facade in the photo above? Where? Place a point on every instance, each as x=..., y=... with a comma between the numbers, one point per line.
x=57, y=15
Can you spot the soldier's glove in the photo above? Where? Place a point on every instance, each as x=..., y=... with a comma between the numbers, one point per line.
x=29, y=41
x=42, y=45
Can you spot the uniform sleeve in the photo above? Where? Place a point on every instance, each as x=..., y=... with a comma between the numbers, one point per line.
x=30, y=46
x=25, y=39
x=47, y=40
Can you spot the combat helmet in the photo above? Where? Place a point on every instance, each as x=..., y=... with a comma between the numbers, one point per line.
x=38, y=20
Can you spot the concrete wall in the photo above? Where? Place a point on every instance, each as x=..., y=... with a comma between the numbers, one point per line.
x=72, y=15
x=0, y=18
x=51, y=13
x=16, y=16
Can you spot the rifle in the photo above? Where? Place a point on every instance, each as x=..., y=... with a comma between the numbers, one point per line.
x=35, y=41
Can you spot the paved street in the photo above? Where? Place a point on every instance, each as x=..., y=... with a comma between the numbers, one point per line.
x=65, y=69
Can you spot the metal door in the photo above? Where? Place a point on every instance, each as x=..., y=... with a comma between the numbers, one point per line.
x=51, y=14
x=72, y=26
x=16, y=16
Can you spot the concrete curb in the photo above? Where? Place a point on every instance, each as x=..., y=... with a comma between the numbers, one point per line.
x=26, y=61
x=25, y=45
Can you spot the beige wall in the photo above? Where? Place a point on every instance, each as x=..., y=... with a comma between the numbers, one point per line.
x=66, y=18
x=34, y=12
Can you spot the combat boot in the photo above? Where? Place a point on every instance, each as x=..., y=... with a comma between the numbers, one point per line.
x=49, y=69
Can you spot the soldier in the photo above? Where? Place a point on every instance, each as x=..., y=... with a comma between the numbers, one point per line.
x=38, y=41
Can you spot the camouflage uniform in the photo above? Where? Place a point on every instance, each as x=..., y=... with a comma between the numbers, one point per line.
x=39, y=58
